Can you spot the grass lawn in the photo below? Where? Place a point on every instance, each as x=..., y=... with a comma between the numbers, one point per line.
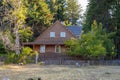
x=59, y=72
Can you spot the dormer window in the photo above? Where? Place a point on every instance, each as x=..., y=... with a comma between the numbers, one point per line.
x=52, y=34
x=62, y=34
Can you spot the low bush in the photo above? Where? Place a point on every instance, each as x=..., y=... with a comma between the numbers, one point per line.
x=26, y=56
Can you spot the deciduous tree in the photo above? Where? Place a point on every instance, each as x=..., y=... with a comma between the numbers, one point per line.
x=93, y=45
x=13, y=20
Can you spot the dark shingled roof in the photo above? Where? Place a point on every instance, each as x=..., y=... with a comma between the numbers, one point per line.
x=76, y=30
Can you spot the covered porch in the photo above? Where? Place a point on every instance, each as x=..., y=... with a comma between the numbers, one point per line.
x=46, y=48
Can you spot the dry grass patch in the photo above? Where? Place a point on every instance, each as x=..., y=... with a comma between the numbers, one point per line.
x=59, y=72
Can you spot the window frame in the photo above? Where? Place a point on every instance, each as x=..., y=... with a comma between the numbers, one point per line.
x=62, y=34
x=52, y=34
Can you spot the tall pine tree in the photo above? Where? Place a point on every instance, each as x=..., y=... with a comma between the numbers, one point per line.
x=98, y=10
x=115, y=7
x=57, y=8
x=73, y=11
x=67, y=11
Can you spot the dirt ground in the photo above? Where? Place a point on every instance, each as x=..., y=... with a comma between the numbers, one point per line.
x=59, y=72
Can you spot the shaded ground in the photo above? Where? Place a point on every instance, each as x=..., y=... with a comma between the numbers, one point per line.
x=60, y=72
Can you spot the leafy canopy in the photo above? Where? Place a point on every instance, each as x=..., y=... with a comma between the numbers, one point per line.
x=39, y=16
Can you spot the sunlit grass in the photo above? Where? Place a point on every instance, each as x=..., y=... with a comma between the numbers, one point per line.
x=59, y=72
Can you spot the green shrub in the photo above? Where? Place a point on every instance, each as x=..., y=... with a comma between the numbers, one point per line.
x=11, y=58
x=26, y=56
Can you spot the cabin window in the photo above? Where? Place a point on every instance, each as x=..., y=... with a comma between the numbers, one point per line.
x=52, y=34
x=42, y=49
x=62, y=34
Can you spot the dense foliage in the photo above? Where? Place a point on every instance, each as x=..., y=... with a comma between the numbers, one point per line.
x=67, y=11
x=93, y=45
x=105, y=12
x=98, y=10
x=39, y=16
x=26, y=56
x=57, y=8
x=2, y=49
x=116, y=22
x=73, y=11
x=13, y=28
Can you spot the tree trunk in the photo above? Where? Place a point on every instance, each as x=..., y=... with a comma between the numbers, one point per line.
x=17, y=42
x=17, y=38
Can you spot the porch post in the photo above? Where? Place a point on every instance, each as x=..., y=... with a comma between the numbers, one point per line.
x=33, y=47
x=36, y=56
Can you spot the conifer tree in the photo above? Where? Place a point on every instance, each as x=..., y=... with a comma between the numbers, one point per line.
x=39, y=16
x=73, y=11
x=98, y=10
x=57, y=8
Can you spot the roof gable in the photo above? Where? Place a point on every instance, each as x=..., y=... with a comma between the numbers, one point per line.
x=57, y=27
